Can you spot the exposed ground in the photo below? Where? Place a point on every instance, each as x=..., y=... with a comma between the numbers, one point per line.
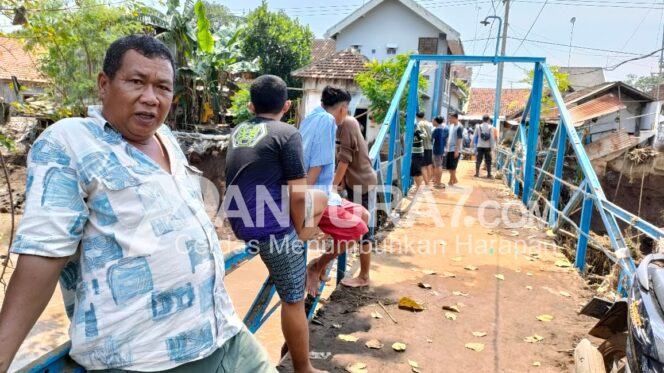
x=506, y=310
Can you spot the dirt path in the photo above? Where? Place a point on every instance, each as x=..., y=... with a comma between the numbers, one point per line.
x=506, y=310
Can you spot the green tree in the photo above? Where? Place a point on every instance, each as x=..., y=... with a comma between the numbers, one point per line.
x=239, y=109
x=72, y=41
x=282, y=44
x=219, y=15
x=645, y=83
x=562, y=81
x=380, y=84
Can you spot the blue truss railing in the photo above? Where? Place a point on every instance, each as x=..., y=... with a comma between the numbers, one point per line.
x=519, y=166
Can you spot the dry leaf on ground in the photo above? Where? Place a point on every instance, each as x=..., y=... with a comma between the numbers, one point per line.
x=413, y=363
x=563, y=263
x=500, y=277
x=479, y=347
x=537, y=364
x=398, y=346
x=470, y=268
x=545, y=318
x=550, y=233
x=376, y=315
x=479, y=334
x=374, y=344
x=529, y=274
x=424, y=285
x=457, y=259
x=450, y=316
x=448, y=275
x=428, y=271
x=533, y=338
x=453, y=308
x=565, y=294
x=529, y=287
x=459, y=293
x=429, y=340
x=357, y=368
x=514, y=233
x=347, y=338
x=406, y=303
x=336, y=326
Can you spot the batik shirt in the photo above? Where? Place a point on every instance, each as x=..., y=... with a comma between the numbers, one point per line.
x=143, y=285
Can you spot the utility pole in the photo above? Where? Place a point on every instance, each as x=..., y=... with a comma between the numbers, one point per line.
x=501, y=66
x=659, y=86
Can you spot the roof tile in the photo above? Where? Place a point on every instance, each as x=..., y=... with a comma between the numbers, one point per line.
x=482, y=100
x=15, y=61
x=341, y=65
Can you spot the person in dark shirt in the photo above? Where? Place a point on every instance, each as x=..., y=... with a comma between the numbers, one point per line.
x=268, y=205
x=417, y=157
x=439, y=134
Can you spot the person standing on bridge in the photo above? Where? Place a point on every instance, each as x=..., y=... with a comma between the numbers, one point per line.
x=454, y=146
x=485, y=141
x=114, y=211
x=357, y=176
x=265, y=156
x=345, y=221
x=439, y=135
x=427, y=162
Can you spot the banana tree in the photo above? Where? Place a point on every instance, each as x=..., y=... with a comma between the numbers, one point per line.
x=208, y=79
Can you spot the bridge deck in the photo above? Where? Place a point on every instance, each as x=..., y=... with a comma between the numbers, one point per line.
x=505, y=309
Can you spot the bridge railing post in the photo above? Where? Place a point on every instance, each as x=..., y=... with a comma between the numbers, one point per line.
x=410, y=126
x=533, y=133
x=584, y=227
x=558, y=174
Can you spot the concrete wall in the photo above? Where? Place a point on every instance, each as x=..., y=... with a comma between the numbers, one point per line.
x=313, y=89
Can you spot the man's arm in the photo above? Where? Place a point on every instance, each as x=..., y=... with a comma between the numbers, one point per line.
x=297, y=190
x=342, y=167
x=29, y=291
x=312, y=175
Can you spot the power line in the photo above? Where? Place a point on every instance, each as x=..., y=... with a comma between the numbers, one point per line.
x=531, y=26
x=596, y=4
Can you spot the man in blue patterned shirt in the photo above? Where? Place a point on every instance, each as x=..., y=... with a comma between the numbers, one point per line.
x=115, y=213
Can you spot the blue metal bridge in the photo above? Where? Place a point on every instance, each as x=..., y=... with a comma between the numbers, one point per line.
x=526, y=170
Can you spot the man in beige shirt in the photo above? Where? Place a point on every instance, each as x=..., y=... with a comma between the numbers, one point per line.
x=356, y=174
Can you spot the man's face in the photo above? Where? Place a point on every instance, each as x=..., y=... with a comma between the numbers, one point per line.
x=341, y=112
x=137, y=100
x=453, y=120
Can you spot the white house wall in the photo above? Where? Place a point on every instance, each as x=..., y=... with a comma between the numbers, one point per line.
x=389, y=23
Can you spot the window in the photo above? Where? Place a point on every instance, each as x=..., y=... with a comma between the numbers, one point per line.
x=357, y=47
x=391, y=51
x=428, y=46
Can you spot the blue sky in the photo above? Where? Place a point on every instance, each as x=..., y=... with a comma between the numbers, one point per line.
x=631, y=27
x=611, y=25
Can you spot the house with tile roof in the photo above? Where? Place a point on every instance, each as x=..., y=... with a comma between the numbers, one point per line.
x=19, y=77
x=381, y=29
x=339, y=70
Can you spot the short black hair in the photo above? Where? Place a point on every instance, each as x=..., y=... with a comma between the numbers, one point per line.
x=439, y=119
x=420, y=114
x=485, y=118
x=332, y=96
x=143, y=44
x=455, y=115
x=269, y=93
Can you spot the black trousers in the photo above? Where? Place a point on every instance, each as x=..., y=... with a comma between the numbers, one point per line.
x=483, y=153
